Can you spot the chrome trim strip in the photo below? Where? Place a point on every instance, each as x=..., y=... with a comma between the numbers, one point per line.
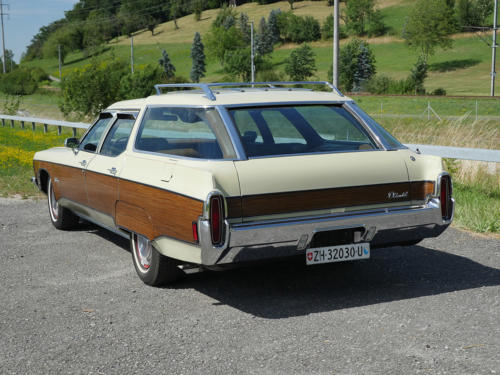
x=379, y=139
x=233, y=133
x=287, y=103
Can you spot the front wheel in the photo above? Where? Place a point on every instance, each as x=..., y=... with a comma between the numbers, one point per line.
x=152, y=267
x=61, y=217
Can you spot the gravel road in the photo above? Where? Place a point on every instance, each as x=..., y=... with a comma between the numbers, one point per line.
x=70, y=303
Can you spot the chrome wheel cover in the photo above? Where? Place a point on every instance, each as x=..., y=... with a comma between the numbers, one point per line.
x=143, y=251
x=53, y=205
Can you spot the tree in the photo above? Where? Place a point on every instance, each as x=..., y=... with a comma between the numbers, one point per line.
x=140, y=84
x=226, y=17
x=97, y=30
x=263, y=40
x=361, y=18
x=220, y=40
x=198, y=9
x=473, y=12
x=10, y=64
x=244, y=26
x=175, y=10
x=291, y=4
x=198, y=56
x=356, y=65
x=418, y=76
x=429, y=26
x=166, y=64
x=301, y=64
x=272, y=25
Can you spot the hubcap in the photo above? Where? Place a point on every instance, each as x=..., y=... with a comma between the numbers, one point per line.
x=143, y=250
x=53, y=205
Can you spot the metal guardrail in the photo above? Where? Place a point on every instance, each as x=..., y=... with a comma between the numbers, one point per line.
x=46, y=122
x=442, y=151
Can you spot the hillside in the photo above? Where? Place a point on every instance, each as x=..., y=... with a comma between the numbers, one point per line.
x=462, y=70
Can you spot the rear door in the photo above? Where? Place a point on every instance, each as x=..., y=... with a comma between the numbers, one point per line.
x=104, y=170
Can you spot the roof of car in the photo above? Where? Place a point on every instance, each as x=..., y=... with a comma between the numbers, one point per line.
x=233, y=96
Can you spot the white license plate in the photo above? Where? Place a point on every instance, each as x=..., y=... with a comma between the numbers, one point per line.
x=341, y=253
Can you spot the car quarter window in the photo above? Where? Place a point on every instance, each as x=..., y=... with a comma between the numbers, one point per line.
x=189, y=132
x=92, y=138
x=297, y=129
x=117, y=138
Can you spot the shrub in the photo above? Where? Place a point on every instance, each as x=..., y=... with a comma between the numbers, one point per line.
x=38, y=74
x=327, y=29
x=301, y=63
x=141, y=83
x=298, y=29
x=18, y=82
x=439, y=92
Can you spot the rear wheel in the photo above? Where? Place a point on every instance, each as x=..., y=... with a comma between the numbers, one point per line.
x=152, y=267
x=61, y=217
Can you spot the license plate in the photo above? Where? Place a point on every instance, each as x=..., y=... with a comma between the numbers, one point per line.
x=341, y=253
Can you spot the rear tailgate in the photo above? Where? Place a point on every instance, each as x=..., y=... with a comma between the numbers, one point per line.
x=297, y=185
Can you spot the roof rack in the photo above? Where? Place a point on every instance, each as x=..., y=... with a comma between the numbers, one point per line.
x=206, y=87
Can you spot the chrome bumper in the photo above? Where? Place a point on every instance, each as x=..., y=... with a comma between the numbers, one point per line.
x=287, y=237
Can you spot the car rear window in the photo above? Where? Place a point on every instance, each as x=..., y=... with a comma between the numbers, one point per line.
x=188, y=132
x=281, y=130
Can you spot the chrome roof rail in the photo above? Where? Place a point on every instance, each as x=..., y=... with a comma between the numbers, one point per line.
x=206, y=87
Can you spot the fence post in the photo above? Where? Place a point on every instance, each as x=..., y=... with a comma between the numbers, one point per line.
x=45, y=128
x=22, y=124
x=428, y=111
x=3, y=122
x=33, y=126
x=74, y=132
x=381, y=107
x=476, y=110
x=59, y=130
x=12, y=123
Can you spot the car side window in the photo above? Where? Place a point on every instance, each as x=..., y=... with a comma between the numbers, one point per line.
x=117, y=138
x=190, y=132
x=92, y=138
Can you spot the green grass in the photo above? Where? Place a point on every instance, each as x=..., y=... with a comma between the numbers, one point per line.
x=17, y=148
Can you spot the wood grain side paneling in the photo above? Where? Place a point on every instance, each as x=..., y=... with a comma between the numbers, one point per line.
x=233, y=207
x=421, y=189
x=102, y=192
x=171, y=214
x=71, y=181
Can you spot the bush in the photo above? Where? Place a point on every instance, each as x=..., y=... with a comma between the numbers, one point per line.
x=439, y=92
x=141, y=83
x=301, y=64
x=88, y=90
x=39, y=75
x=18, y=82
x=327, y=29
x=298, y=29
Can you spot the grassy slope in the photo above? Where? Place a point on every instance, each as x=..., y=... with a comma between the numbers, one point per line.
x=463, y=70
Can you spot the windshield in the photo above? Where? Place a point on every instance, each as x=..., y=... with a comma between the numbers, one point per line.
x=281, y=130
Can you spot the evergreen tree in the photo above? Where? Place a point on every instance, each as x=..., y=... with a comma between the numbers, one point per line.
x=301, y=63
x=263, y=42
x=166, y=64
x=418, y=75
x=272, y=25
x=365, y=67
x=198, y=56
x=244, y=26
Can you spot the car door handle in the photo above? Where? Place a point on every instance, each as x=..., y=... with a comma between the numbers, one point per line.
x=83, y=163
x=113, y=170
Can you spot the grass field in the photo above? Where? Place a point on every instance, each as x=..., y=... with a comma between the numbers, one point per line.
x=462, y=70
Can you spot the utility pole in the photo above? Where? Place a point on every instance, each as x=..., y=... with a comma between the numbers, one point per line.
x=251, y=51
x=494, y=50
x=59, y=52
x=335, y=70
x=132, y=54
x=3, y=34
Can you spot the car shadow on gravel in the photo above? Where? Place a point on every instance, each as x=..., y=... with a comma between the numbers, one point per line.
x=289, y=289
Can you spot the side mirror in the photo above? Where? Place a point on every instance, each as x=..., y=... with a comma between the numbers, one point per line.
x=71, y=142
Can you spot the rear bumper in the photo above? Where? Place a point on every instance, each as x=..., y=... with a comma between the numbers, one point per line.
x=288, y=237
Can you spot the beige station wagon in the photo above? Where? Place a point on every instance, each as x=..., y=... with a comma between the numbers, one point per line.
x=232, y=173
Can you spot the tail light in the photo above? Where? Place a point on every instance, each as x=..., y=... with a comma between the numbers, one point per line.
x=194, y=226
x=445, y=197
x=217, y=219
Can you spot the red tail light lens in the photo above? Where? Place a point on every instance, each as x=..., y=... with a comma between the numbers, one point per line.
x=216, y=219
x=445, y=196
x=195, y=231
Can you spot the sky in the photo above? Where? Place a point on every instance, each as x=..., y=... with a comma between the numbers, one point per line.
x=25, y=17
